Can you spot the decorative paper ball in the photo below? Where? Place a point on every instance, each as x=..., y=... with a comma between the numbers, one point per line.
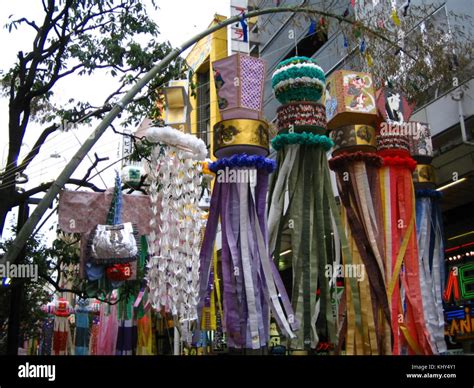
x=132, y=175
x=298, y=79
x=62, y=308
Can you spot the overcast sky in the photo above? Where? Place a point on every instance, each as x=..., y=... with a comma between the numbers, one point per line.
x=178, y=20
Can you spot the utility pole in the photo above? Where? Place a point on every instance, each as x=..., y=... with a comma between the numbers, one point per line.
x=17, y=291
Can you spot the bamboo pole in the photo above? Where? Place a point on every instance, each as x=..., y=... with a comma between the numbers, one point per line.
x=28, y=228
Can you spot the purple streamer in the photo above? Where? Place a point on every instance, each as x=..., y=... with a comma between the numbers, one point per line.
x=225, y=202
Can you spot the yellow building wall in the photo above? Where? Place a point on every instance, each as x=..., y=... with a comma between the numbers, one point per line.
x=206, y=51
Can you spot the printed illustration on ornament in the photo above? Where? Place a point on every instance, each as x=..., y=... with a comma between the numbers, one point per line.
x=357, y=92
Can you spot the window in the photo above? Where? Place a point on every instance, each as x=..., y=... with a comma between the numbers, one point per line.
x=203, y=106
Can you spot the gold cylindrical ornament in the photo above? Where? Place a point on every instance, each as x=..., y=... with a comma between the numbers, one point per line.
x=352, y=138
x=238, y=136
x=424, y=176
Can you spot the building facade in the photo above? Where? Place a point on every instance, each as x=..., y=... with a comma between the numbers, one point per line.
x=205, y=110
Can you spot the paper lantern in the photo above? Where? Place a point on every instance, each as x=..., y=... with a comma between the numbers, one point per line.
x=241, y=136
x=421, y=146
x=302, y=116
x=354, y=138
x=424, y=176
x=177, y=108
x=298, y=79
x=349, y=99
x=239, y=81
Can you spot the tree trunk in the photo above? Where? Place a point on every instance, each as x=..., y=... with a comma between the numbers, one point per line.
x=17, y=293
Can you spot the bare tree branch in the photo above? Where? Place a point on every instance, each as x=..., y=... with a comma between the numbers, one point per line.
x=93, y=166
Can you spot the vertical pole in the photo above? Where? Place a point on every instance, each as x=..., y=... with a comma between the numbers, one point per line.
x=17, y=291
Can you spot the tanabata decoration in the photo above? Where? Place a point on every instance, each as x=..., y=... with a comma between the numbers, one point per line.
x=237, y=136
x=80, y=212
x=132, y=175
x=410, y=332
x=302, y=116
x=356, y=165
x=113, y=247
x=145, y=335
x=429, y=231
x=62, y=340
x=350, y=99
x=251, y=283
x=393, y=106
x=353, y=138
x=298, y=79
x=359, y=190
x=174, y=241
x=108, y=329
x=429, y=225
x=252, y=286
x=126, y=341
x=81, y=313
x=239, y=81
x=421, y=146
x=301, y=198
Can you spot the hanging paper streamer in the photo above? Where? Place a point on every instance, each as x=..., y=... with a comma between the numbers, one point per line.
x=173, y=267
x=369, y=59
x=312, y=27
x=82, y=327
x=395, y=18
x=301, y=199
x=410, y=333
x=429, y=228
x=62, y=340
x=431, y=254
x=244, y=28
x=251, y=283
x=126, y=342
x=108, y=330
x=145, y=337
x=359, y=189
